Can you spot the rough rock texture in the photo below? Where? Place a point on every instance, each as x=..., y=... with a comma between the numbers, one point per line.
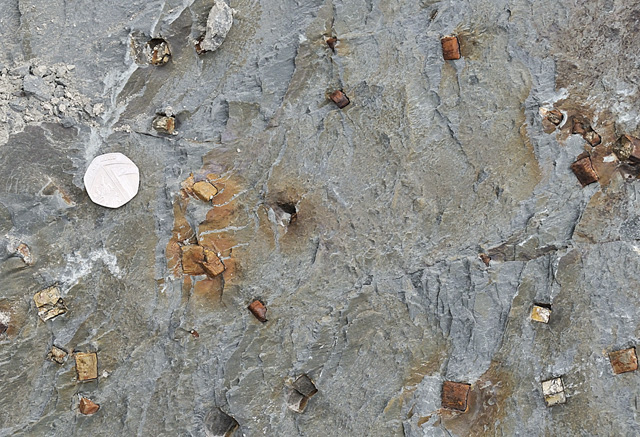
x=359, y=228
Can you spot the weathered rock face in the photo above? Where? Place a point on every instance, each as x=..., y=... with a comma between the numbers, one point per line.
x=359, y=228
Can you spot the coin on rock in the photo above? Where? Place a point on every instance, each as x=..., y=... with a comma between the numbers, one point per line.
x=112, y=180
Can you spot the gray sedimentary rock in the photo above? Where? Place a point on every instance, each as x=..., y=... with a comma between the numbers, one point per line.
x=38, y=87
x=359, y=228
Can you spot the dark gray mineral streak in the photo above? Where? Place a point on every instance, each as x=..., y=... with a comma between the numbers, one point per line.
x=398, y=242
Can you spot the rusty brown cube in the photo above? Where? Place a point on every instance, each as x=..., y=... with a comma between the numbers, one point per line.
x=331, y=42
x=579, y=127
x=624, y=360
x=455, y=395
x=204, y=190
x=450, y=48
x=339, y=98
x=213, y=265
x=258, y=309
x=87, y=365
x=584, y=171
x=87, y=406
x=192, y=259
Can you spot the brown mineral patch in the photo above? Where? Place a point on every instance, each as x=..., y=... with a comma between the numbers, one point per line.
x=12, y=318
x=486, y=404
x=416, y=373
x=219, y=217
x=604, y=169
x=219, y=242
x=187, y=284
x=623, y=361
x=52, y=188
x=209, y=289
x=231, y=269
x=423, y=420
x=470, y=43
x=182, y=232
x=601, y=207
x=210, y=252
x=419, y=371
x=227, y=187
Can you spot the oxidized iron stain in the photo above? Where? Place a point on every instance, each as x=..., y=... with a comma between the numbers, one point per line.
x=487, y=405
x=455, y=395
x=214, y=235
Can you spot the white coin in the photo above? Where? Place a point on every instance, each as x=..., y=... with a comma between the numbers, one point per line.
x=112, y=180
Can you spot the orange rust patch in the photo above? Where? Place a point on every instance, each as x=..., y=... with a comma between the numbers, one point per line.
x=423, y=420
x=486, y=404
x=416, y=373
x=212, y=236
x=209, y=289
x=219, y=217
x=182, y=231
x=219, y=242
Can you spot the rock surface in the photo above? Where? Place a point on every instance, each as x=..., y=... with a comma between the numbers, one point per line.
x=375, y=290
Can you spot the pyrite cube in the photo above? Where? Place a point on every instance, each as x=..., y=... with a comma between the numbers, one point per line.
x=86, y=365
x=624, y=360
x=553, y=391
x=455, y=395
x=584, y=171
x=305, y=386
x=450, y=47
